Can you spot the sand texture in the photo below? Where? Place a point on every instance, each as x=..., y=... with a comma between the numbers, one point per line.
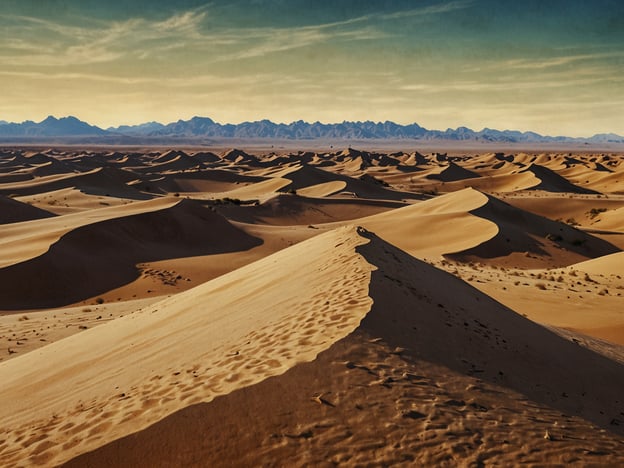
x=231, y=307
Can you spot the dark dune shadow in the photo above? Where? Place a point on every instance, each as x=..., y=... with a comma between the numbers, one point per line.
x=99, y=257
x=367, y=187
x=522, y=231
x=13, y=211
x=284, y=209
x=105, y=181
x=452, y=173
x=553, y=182
x=205, y=180
x=488, y=340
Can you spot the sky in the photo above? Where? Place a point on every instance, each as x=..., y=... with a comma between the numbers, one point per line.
x=551, y=66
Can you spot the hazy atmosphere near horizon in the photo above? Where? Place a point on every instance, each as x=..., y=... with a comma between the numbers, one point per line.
x=553, y=67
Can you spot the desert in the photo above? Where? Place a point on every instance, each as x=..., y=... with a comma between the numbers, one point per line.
x=311, y=306
x=293, y=233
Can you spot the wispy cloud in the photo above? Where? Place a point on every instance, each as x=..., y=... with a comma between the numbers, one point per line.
x=76, y=76
x=43, y=42
x=503, y=85
x=39, y=42
x=552, y=62
x=262, y=42
x=192, y=83
x=46, y=43
x=430, y=10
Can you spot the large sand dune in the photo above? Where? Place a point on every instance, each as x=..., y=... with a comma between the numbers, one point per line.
x=72, y=270
x=421, y=365
x=227, y=307
x=236, y=330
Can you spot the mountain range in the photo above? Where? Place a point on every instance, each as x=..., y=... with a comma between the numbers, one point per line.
x=201, y=128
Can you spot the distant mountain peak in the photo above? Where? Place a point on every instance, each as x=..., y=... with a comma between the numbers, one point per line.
x=199, y=119
x=51, y=127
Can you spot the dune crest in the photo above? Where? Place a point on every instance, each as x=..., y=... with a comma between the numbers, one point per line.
x=122, y=244
x=190, y=348
x=434, y=370
x=432, y=228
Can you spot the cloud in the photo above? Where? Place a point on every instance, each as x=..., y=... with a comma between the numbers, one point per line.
x=544, y=64
x=267, y=41
x=552, y=62
x=190, y=83
x=187, y=22
x=430, y=10
x=45, y=43
x=503, y=85
x=42, y=42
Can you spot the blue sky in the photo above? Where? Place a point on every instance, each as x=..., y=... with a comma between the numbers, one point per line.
x=556, y=67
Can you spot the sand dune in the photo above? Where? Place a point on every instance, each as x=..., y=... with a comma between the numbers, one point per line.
x=29, y=239
x=417, y=364
x=71, y=270
x=306, y=176
x=495, y=183
x=585, y=212
x=239, y=156
x=612, y=220
x=291, y=209
x=143, y=366
x=606, y=182
x=553, y=182
x=205, y=157
x=565, y=298
x=28, y=331
x=13, y=211
x=323, y=189
x=541, y=241
x=431, y=229
x=97, y=181
x=259, y=191
x=359, y=307
x=453, y=172
x=414, y=159
x=206, y=180
x=171, y=161
x=73, y=200
x=609, y=265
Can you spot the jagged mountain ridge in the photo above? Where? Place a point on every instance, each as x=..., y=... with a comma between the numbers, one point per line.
x=51, y=126
x=204, y=127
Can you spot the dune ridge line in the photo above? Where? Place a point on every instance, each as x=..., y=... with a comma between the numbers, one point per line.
x=186, y=349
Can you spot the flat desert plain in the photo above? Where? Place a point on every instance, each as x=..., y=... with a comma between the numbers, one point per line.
x=311, y=308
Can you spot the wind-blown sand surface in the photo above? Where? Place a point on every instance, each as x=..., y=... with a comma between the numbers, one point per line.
x=184, y=308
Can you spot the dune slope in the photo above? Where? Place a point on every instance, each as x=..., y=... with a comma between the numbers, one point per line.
x=438, y=226
x=88, y=389
x=522, y=233
x=98, y=257
x=13, y=211
x=427, y=378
